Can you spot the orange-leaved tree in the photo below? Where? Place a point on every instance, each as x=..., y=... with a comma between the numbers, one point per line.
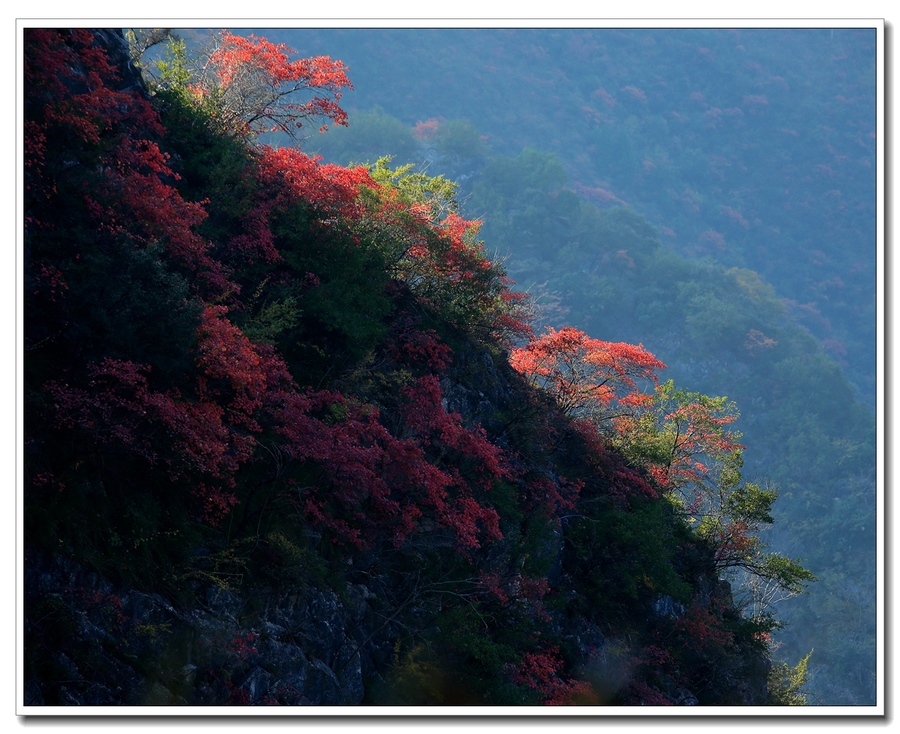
x=589, y=378
x=251, y=86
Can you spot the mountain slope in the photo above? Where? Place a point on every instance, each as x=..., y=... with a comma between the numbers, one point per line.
x=276, y=452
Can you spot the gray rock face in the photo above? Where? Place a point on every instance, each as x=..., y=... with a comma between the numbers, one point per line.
x=113, y=41
x=666, y=606
x=134, y=648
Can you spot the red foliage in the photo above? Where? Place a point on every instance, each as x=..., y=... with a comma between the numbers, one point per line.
x=72, y=85
x=215, y=504
x=514, y=319
x=362, y=466
x=256, y=240
x=50, y=281
x=540, y=672
x=373, y=484
x=635, y=92
x=258, y=86
x=654, y=657
x=237, y=696
x=462, y=260
x=105, y=609
x=121, y=413
x=421, y=349
x=644, y=695
x=482, y=289
x=427, y=129
x=733, y=542
x=286, y=176
x=552, y=495
x=701, y=628
x=585, y=375
x=235, y=366
x=293, y=175
x=134, y=200
x=73, y=101
x=528, y=593
x=428, y=419
x=482, y=462
x=445, y=266
x=69, y=93
x=241, y=647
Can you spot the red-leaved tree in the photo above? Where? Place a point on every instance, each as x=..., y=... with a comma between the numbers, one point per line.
x=588, y=377
x=256, y=87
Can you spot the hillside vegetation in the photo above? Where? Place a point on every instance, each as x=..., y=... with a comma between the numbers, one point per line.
x=292, y=438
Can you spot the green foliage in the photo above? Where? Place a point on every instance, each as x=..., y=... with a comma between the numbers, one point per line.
x=623, y=557
x=370, y=135
x=539, y=545
x=749, y=503
x=173, y=71
x=343, y=313
x=787, y=573
x=513, y=194
x=460, y=147
x=214, y=168
x=786, y=683
x=273, y=319
x=120, y=301
x=420, y=677
x=437, y=192
x=439, y=256
x=531, y=169
x=416, y=679
x=140, y=40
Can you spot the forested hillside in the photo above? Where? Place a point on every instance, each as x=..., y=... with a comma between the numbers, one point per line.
x=293, y=438
x=708, y=193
